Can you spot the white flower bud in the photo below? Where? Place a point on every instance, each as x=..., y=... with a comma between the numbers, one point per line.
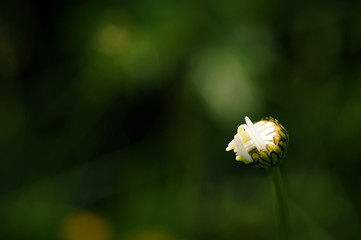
x=262, y=144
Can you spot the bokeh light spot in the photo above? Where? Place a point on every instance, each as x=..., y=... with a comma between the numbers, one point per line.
x=85, y=226
x=113, y=39
x=152, y=233
x=222, y=82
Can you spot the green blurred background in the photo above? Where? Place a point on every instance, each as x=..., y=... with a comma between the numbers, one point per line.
x=115, y=116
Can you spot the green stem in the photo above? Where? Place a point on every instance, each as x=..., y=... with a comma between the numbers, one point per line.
x=282, y=208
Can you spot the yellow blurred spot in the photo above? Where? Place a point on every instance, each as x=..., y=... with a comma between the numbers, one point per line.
x=113, y=39
x=154, y=233
x=85, y=226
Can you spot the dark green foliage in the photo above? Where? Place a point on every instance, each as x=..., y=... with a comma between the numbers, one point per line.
x=116, y=114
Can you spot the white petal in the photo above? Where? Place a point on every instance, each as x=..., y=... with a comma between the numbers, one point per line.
x=268, y=138
x=268, y=130
x=254, y=134
x=241, y=150
x=230, y=146
x=259, y=124
x=265, y=126
x=250, y=148
x=248, y=144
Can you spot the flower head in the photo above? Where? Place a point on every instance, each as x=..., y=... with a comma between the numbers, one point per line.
x=262, y=144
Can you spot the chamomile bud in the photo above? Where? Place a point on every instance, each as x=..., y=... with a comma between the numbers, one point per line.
x=262, y=144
